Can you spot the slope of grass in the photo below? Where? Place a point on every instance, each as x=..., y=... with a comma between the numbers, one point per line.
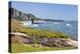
x=17, y=48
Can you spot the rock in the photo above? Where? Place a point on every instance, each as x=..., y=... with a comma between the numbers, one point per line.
x=58, y=42
x=51, y=42
x=72, y=42
x=21, y=38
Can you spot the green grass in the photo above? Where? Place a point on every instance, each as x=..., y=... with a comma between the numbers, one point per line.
x=17, y=48
x=42, y=33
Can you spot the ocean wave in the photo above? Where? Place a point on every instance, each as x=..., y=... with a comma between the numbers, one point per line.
x=34, y=25
x=56, y=23
x=27, y=23
x=68, y=25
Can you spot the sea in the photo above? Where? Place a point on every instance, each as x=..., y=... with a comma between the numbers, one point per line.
x=67, y=27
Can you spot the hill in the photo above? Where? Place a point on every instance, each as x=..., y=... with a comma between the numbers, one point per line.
x=19, y=15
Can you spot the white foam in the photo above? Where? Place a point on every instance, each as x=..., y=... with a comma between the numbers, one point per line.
x=27, y=22
x=35, y=24
x=40, y=21
x=68, y=25
x=56, y=23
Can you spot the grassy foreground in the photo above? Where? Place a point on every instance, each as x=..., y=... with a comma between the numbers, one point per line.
x=17, y=48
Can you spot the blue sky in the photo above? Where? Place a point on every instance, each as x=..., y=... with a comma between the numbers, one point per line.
x=48, y=11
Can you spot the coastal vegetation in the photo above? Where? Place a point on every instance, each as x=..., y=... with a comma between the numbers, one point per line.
x=36, y=40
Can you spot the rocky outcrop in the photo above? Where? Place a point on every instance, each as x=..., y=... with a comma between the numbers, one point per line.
x=72, y=42
x=20, y=38
x=58, y=42
x=51, y=42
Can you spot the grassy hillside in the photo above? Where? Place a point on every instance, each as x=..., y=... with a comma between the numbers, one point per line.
x=17, y=48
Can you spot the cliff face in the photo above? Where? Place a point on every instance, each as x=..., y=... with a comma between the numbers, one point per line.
x=16, y=14
x=20, y=15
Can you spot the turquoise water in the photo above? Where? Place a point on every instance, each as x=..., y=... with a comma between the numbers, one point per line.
x=67, y=27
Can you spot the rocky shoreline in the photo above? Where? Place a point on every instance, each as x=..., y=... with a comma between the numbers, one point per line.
x=43, y=41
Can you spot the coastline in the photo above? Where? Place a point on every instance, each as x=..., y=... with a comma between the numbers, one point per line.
x=55, y=27
x=36, y=38
x=45, y=40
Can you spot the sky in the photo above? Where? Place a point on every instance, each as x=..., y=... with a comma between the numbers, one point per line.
x=48, y=10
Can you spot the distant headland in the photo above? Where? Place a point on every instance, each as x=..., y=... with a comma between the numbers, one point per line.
x=19, y=15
